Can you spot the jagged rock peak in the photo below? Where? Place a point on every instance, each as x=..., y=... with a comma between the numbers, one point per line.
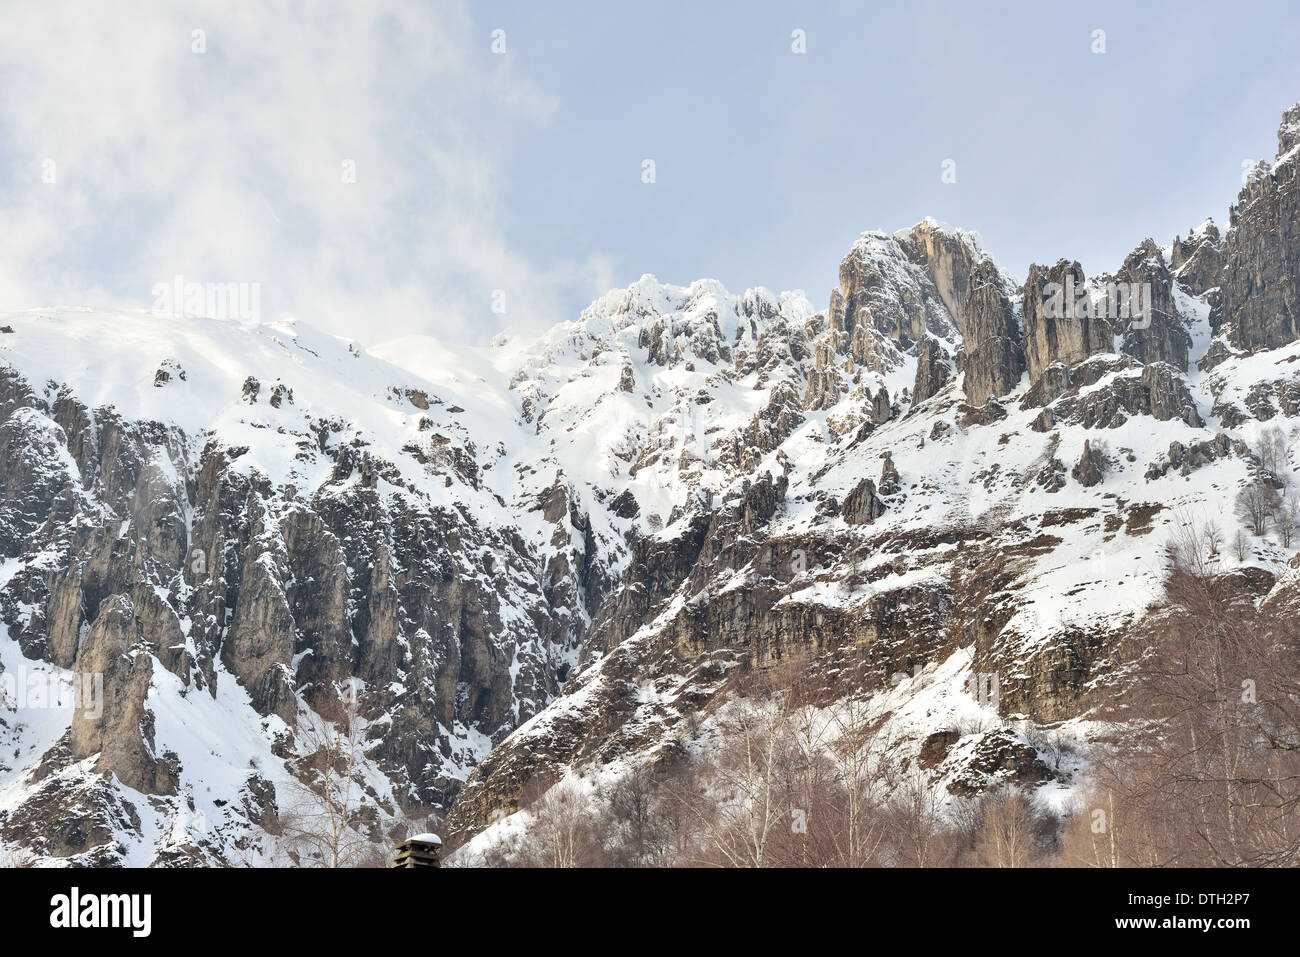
x=897, y=289
x=1288, y=133
x=1260, y=280
x=702, y=320
x=1197, y=261
x=946, y=253
x=648, y=297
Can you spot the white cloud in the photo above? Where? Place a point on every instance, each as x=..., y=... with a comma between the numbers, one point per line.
x=226, y=166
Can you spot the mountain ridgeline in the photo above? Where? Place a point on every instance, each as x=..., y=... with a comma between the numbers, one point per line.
x=566, y=555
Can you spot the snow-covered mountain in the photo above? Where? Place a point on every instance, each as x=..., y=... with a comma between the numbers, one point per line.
x=546, y=557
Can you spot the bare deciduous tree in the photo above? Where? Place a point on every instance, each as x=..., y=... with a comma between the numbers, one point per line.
x=1241, y=545
x=858, y=758
x=916, y=806
x=1005, y=837
x=1214, y=778
x=1256, y=504
x=1193, y=545
x=1213, y=539
x=641, y=816
x=1286, y=521
x=1271, y=450
x=326, y=819
x=564, y=831
x=748, y=802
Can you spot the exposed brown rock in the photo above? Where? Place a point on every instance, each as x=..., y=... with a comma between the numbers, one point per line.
x=862, y=506
x=1068, y=337
x=933, y=370
x=1261, y=253
x=994, y=361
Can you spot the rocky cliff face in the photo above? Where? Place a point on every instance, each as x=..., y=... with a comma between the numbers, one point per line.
x=257, y=548
x=922, y=583
x=1261, y=290
x=1060, y=331
x=995, y=358
x=1160, y=333
x=933, y=369
x=548, y=557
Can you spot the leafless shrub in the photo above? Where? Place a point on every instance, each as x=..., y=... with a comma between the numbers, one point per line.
x=1286, y=520
x=1195, y=543
x=1213, y=539
x=1256, y=505
x=1241, y=545
x=976, y=724
x=1053, y=744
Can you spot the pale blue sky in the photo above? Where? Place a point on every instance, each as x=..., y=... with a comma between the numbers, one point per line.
x=769, y=164
x=522, y=171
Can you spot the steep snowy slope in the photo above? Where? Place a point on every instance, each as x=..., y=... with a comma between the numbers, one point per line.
x=261, y=518
x=270, y=513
